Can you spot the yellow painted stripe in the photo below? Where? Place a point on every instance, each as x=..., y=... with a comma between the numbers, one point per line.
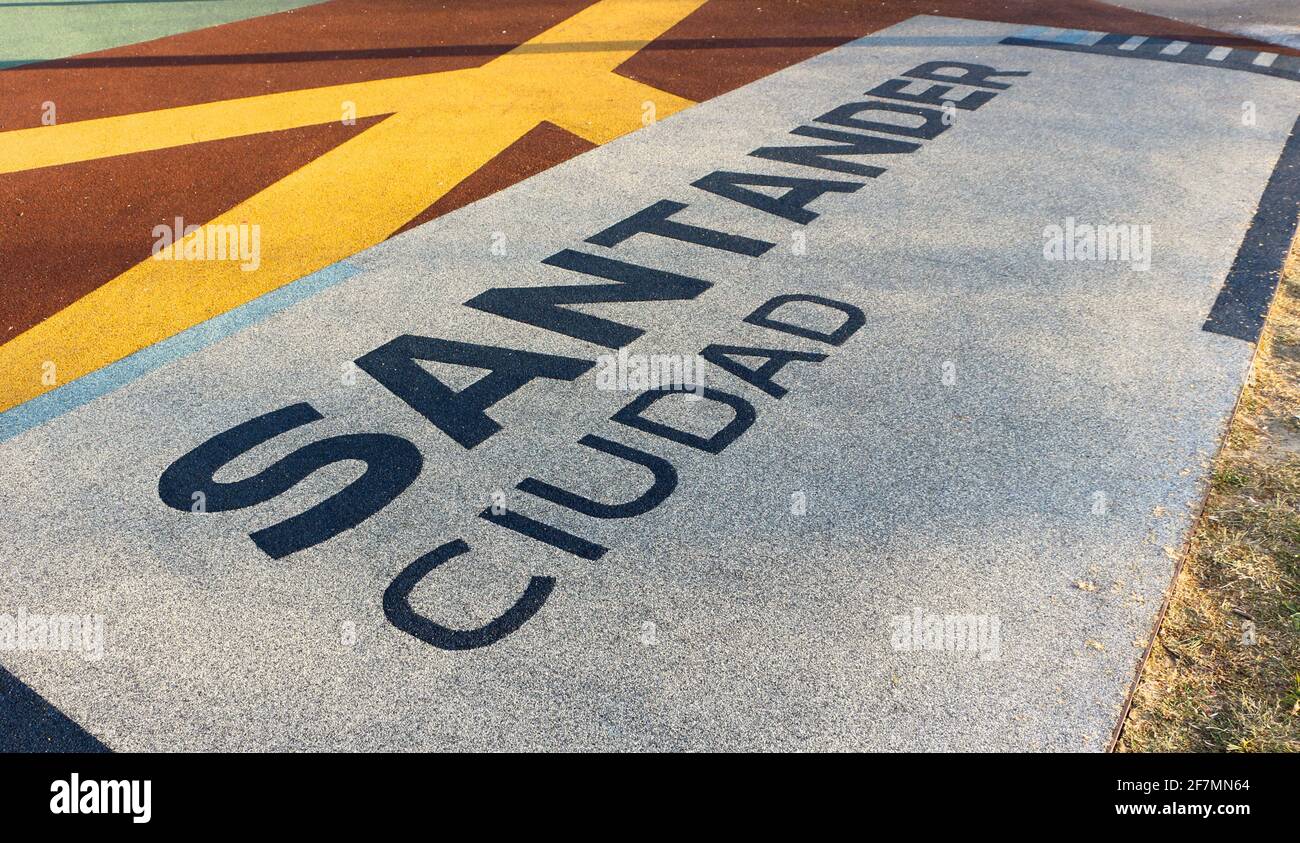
x=442, y=128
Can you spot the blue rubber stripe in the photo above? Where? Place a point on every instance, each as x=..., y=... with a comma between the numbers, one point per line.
x=1071, y=36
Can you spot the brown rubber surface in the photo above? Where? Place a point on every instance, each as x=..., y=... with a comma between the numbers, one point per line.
x=66, y=230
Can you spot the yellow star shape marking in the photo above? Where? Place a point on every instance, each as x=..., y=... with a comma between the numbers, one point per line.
x=440, y=128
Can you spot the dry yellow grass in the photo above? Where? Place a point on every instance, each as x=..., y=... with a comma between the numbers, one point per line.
x=1205, y=687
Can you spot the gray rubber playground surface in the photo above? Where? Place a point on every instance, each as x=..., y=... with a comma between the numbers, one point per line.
x=1007, y=437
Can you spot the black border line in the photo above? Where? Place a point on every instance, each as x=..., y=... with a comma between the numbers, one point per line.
x=1193, y=55
x=28, y=723
x=1243, y=301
